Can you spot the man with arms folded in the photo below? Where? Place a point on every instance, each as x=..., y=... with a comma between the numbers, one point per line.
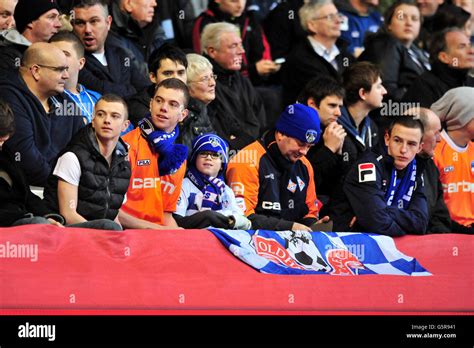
x=384, y=189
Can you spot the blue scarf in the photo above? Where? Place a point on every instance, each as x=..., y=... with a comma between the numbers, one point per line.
x=211, y=187
x=172, y=155
x=401, y=190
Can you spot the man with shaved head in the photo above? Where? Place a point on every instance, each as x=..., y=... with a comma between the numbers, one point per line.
x=439, y=220
x=46, y=120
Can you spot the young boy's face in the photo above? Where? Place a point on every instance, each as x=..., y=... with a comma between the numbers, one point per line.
x=109, y=120
x=167, y=108
x=209, y=163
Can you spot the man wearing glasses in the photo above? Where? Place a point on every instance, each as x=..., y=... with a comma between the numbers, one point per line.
x=321, y=54
x=45, y=124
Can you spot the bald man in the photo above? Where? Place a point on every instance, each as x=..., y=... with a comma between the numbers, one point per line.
x=439, y=220
x=45, y=119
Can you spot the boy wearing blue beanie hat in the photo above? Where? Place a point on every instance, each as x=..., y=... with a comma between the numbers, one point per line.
x=205, y=198
x=272, y=179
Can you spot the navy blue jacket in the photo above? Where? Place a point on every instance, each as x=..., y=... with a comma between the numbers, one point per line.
x=121, y=76
x=39, y=136
x=357, y=25
x=366, y=200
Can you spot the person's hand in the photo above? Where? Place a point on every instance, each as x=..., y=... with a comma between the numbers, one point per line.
x=300, y=227
x=55, y=223
x=266, y=67
x=323, y=220
x=353, y=221
x=333, y=137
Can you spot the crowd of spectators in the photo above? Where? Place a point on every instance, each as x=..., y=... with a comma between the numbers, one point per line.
x=286, y=115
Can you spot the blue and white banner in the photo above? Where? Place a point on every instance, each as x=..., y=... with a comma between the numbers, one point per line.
x=337, y=253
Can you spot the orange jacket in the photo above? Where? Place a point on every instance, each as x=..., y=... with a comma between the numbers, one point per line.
x=456, y=173
x=149, y=195
x=262, y=189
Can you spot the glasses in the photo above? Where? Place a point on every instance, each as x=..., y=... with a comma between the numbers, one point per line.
x=59, y=69
x=331, y=17
x=214, y=155
x=206, y=79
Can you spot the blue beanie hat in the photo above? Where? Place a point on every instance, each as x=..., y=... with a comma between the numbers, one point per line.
x=301, y=122
x=210, y=142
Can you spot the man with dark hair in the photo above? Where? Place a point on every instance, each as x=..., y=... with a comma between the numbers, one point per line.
x=166, y=62
x=158, y=164
x=326, y=95
x=384, y=191
x=108, y=68
x=452, y=57
x=91, y=175
x=34, y=23
x=364, y=93
x=18, y=205
x=45, y=122
x=83, y=98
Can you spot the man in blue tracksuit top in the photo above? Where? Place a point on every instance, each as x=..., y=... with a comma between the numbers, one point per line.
x=384, y=190
x=361, y=19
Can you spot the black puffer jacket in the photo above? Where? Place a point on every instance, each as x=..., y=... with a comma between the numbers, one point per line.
x=101, y=188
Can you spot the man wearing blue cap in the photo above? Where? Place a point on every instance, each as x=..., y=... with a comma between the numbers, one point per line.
x=205, y=198
x=271, y=178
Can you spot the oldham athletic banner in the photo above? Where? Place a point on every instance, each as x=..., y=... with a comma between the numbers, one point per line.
x=336, y=253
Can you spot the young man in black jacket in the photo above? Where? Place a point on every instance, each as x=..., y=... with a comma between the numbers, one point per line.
x=384, y=191
x=326, y=95
x=91, y=176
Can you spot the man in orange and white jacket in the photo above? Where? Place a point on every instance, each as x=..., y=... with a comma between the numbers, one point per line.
x=158, y=165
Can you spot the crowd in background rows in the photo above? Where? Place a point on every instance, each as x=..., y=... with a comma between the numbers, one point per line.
x=251, y=60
